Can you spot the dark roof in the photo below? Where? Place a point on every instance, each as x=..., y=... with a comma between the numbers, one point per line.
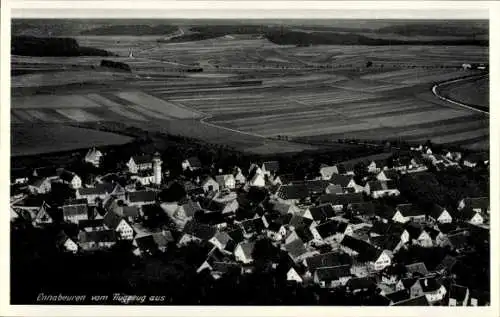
x=365, y=250
x=417, y=268
x=211, y=205
x=293, y=192
x=253, y=225
x=236, y=235
x=271, y=166
x=19, y=173
x=295, y=248
x=300, y=222
x=381, y=185
x=409, y=210
x=194, y=161
x=364, y=208
x=322, y=212
x=478, y=202
x=388, y=242
x=98, y=189
x=341, y=180
x=162, y=238
x=414, y=230
x=316, y=186
x=67, y=176
x=146, y=243
x=344, y=199
x=408, y=282
x=436, y=211
x=142, y=159
x=391, y=174
x=130, y=211
x=330, y=228
x=111, y=220
x=327, y=259
x=287, y=178
x=199, y=230
x=304, y=234
x=459, y=240
x=429, y=284
x=447, y=263
x=361, y=283
x=466, y=214
x=75, y=210
x=416, y=301
x=97, y=236
x=224, y=267
x=333, y=273
x=458, y=292
x=90, y=223
x=398, y=296
x=142, y=196
x=48, y=171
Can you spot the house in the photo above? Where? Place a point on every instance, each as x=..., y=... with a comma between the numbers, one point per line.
x=364, y=210
x=472, y=160
x=331, y=277
x=192, y=164
x=49, y=172
x=365, y=253
x=162, y=239
x=391, y=242
x=221, y=240
x=71, y=179
x=297, y=222
x=270, y=168
x=145, y=245
x=458, y=296
x=252, y=227
x=93, y=157
x=346, y=168
x=296, y=250
x=294, y=274
x=239, y=178
x=243, y=252
x=439, y=214
x=223, y=207
x=196, y=232
x=378, y=188
x=91, y=225
x=326, y=172
x=65, y=243
x=319, y=213
x=144, y=177
x=419, y=236
x=417, y=269
x=140, y=198
x=284, y=208
x=339, y=202
x=361, y=284
x=415, y=301
x=91, y=240
x=387, y=175
x=120, y=225
x=226, y=181
x=471, y=216
x=343, y=180
x=408, y=212
x=40, y=185
x=398, y=296
x=19, y=176
x=257, y=180
x=186, y=211
x=75, y=211
x=446, y=265
x=459, y=241
x=331, y=230
x=478, y=204
x=210, y=185
x=433, y=290
x=293, y=194
x=100, y=192
x=315, y=187
x=42, y=216
x=335, y=189
x=140, y=163
x=328, y=259
x=129, y=213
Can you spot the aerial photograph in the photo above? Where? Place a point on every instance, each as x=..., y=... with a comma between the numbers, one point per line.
x=306, y=162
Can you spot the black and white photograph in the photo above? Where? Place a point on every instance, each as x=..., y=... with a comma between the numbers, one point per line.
x=250, y=162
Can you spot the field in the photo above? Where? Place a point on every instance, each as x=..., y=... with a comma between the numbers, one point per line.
x=470, y=92
x=307, y=93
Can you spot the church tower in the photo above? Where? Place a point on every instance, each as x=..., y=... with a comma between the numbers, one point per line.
x=157, y=168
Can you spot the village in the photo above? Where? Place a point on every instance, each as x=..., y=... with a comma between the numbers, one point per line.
x=346, y=228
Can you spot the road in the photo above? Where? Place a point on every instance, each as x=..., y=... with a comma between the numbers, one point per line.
x=435, y=92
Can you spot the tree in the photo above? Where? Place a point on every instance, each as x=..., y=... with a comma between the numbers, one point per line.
x=369, y=64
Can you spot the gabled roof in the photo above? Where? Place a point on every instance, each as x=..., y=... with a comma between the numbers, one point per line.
x=111, y=220
x=429, y=284
x=67, y=176
x=295, y=248
x=304, y=234
x=365, y=250
x=382, y=185
x=222, y=237
x=194, y=161
x=98, y=189
x=327, y=259
x=38, y=181
x=330, y=228
x=322, y=212
x=199, y=230
x=162, y=238
x=436, y=211
x=142, y=196
x=316, y=186
x=477, y=202
x=398, y=296
x=324, y=169
x=253, y=225
x=458, y=292
x=388, y=242
x=447, y=263
x=271, y=166
x=247, y=248
x=467, y=214
x=408, y=282
x=390, y=174
x=333, y=273
x=222, y=179
x=364, y=208
x=409, y=210
x=293, y=192
x=70, y=202
x=190, y=208
x=130, y=211
x=334, y=189
x=48, y=171
x=416, y=301
x=75, y=210
x=300, y=222
x=417, y=268
x=344, y=199
x=360, y=283
x=142, y=159
x=284, y=208
x=236, y=235
x=341, y=180
x=97, y=236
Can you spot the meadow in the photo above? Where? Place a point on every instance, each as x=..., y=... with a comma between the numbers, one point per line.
x=323, y=92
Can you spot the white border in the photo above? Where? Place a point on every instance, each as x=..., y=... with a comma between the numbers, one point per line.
x=247, y=10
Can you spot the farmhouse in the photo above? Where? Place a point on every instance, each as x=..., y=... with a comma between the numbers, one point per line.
x=140, y=198
x=92, y=240
x=326, y=172
x=343, y=180
x=319, y=213
x=339, y=202
x=71, y=179
x=40, y=185
x=75, y=211
x=99, y=192
x=379, y=189
x=226, y=181
x=119, y=224
x=439, y=214
x=478, y=204
x=364, y=252
x=293, y=194
x=332, y=277
x=408, y=212
x=93, y=157
x=191, y=164
x=140, y=163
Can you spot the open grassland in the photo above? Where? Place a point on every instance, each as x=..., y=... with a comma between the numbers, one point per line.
x=306, y=93
x=40, y=138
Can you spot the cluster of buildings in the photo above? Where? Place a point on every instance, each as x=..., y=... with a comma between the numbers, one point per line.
x=334, y=232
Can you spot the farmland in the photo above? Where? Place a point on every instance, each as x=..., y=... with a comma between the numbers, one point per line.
x=322, y=92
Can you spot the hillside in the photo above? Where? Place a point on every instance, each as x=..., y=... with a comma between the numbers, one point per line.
x=46, y=46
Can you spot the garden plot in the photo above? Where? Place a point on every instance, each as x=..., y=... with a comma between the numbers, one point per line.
x=52, y=102
x=78, y=115
x=331, y=97
x=116, y=108
x=42, y=115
